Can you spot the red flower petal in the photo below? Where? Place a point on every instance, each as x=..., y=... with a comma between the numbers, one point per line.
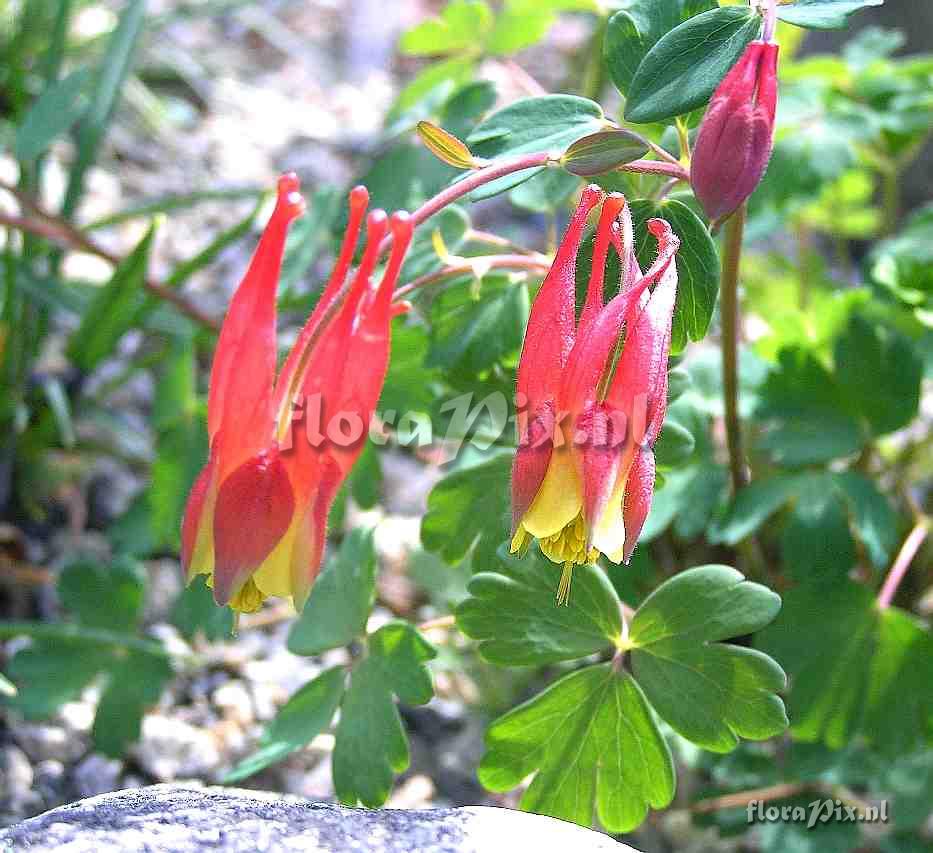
x=253, y=511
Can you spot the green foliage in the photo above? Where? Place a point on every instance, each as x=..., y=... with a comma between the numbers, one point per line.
x=546, y=123
x=823, y=14
x=697, y=266
x=685, y=66
x=304, y=716
x=593, y=745
x=371, y=743
x=343, y=596
x=637, y=27
x=65, y=658
x=591, y=738
x=469, y=509
x=879, y=684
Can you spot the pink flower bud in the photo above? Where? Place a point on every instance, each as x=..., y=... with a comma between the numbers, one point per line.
x=735, y=139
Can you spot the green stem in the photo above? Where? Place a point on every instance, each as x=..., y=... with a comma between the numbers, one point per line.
x=729, y=315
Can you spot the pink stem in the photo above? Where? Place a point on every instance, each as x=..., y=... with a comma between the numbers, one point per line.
x=767, y=34
x=526, y=262
x=656, y=167
x=902, y=562
x=471, y=182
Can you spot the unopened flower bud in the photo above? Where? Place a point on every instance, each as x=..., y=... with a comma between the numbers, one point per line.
x=735, y=139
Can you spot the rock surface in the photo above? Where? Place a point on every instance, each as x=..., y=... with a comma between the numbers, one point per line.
x=177, y=819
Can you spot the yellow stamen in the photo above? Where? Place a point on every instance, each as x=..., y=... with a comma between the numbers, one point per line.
x=563, y=588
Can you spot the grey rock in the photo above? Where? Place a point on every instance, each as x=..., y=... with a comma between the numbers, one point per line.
x=176, y=819
x=170, y=749
x=16, y=775
x=96, y=774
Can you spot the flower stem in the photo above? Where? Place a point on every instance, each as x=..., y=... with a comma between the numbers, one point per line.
x=476, y=179
x=770, y=8
x=729, y=316
x=902, y=562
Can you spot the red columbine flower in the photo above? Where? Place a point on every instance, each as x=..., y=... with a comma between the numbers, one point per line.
x=583, y=474
x=255, y=520
x=735, y=139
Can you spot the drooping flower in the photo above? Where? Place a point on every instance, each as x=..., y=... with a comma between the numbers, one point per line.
x=736, y=136
x=583, y=474
x=255, y=519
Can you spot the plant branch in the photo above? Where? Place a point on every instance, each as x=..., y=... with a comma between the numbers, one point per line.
x=656, y=167
x=472, y=181
x=729, y=316
x=536, y=263
x=67, y=236
x=902, y=562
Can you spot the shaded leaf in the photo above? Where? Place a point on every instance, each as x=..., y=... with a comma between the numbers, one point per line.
x=514, y=614
x=470, y=506
x=708, y=691
x=303, y=717
x=593, y=746
x=108, y=596
x=52, y=113
x=371, y=743
x=683, y=69
x=341, y=598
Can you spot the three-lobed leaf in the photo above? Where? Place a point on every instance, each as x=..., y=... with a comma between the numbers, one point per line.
x=872, y=675
x=710, y=692
x=370, y=740
x=594, y=747
x=468, y=508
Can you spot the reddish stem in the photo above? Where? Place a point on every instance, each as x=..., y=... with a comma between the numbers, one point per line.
x=489, y=173
x=902, y=562
x=657, y=167
x=525, y=262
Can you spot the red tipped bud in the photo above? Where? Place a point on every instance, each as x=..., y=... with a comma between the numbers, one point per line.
x=735, y=139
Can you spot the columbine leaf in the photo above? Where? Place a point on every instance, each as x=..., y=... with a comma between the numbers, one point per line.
x=710, y=692
x=50, y=672
x=697, y=266
x=880, y=374
x=135, y=683
x=603, y=151
x=371, y=743
x=341, y=598
x=822, y=14
x=302, y=718
x=104, y=596
x=874, y=675
x=514, y=616
x=683, y=69
x=470, y=506
x=593, y=745
x=195, y=611
x=472, y=331
x=635, y=29
x=546, y=123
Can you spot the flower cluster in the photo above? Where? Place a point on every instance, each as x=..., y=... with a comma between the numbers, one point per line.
x=255, y=519
x=596, y=392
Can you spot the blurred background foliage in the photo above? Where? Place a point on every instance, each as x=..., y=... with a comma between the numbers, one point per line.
x=138, y=141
